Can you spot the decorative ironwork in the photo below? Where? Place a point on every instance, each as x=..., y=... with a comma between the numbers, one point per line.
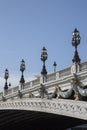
x=6, y=76
x=54, y=65
x=75, y=42
x=44, y=57
x=22, y=68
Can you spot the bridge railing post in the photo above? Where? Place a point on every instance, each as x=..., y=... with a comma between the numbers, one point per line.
x=31, y=84
x=5, y=92
x=57, y=75
x=41, y=79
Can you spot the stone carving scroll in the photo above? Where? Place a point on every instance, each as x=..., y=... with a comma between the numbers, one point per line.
x=82, y=91
x=66, y=94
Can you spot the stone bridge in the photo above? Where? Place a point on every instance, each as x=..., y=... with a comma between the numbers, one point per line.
x=32, y=113
x=59, y=103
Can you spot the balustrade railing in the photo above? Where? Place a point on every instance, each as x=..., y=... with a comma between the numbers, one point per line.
x=50, y=77
x=1, y=94
x=15, y=89
x=84, y=66
x=35, y=82
x=65, y=72
x=10, y=91
x=27, y=85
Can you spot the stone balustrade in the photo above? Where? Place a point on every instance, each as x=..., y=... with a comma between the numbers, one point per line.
x=51, y=77
x=84, y=66
x=10, y=91
x=1, y=94
x=15, y=89
x=57, y=78
x=35, y=82
x=27, y=85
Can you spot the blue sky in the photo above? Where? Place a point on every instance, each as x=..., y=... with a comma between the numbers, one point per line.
x=28, y=25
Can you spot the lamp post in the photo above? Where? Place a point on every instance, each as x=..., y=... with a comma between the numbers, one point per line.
x=22, y=68
x=75, y=42
x=44, y=57
x=54, y=65
x=6, y=76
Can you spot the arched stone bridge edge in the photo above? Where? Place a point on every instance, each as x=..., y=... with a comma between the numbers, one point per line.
x=71, y=108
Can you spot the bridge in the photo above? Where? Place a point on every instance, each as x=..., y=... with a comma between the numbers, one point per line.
x=32, y=113
x=55, y=101
x=58, y=103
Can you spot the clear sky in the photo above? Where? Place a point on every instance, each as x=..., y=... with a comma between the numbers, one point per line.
x=28, y=25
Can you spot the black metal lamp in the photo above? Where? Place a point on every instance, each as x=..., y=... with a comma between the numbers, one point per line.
x=75, y=42
x=54, y=65
x=22, y=68
x=76, y=38
x=44, y=57
x=6, y=76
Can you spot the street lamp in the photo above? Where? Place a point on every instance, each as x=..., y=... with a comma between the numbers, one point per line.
x=44, y=57
x=75, y=42
x=22, y=68
x=6, y=76
x=54, y=65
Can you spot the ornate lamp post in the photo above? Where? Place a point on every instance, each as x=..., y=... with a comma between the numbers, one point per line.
x=54, y=65
x=6, y=76
x=75, y=42
x=22, y=68
x=44, y=57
